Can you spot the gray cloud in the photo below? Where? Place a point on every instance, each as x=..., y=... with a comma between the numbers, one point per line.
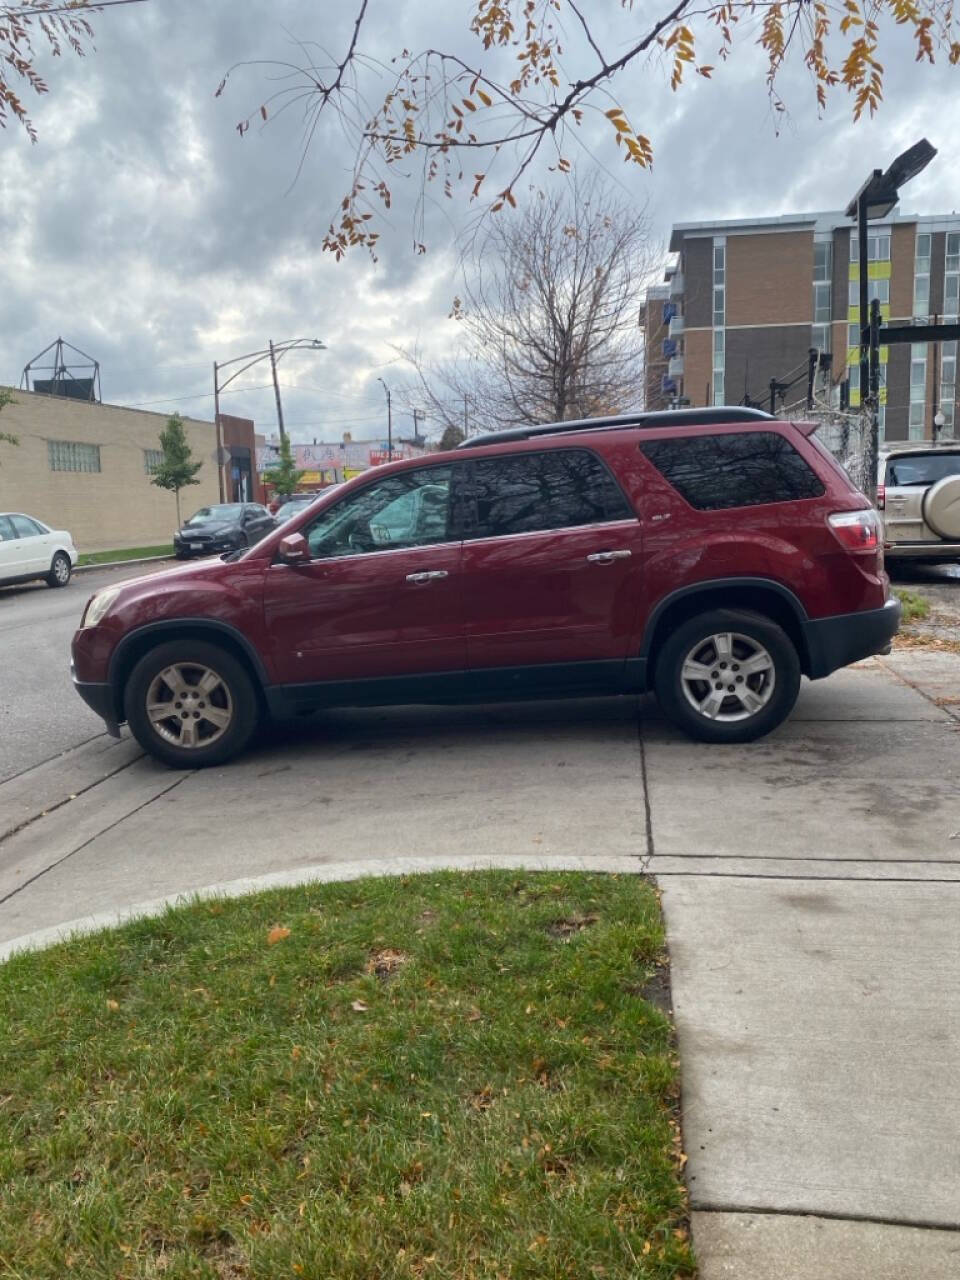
x=147, y=232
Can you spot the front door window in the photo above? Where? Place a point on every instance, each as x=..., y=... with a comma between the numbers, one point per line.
x=401, y=511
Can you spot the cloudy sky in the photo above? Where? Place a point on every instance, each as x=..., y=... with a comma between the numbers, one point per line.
x=143, y=230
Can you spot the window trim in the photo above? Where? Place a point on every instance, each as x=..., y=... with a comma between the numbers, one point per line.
x=469, y=523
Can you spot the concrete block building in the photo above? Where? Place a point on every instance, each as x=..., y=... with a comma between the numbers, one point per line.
x=87, y=467
x=745, y=301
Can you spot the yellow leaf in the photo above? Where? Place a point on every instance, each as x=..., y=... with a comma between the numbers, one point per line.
x=358, y=1006
x=277, y=934
x=112, y=1006
x=485, y=98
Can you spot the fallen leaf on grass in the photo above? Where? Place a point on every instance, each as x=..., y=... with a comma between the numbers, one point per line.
x=358, y=1006
x=277, y=934
x=112, y=1006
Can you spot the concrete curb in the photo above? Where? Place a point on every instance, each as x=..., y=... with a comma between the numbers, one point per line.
x=323, y=873
x=119, y=564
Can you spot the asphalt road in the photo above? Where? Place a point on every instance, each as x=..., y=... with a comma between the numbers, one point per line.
x=40, y=715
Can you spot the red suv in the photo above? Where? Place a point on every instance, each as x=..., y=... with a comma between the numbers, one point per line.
x=712, y=555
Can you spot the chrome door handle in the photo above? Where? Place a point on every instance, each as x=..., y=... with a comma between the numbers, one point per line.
x=608, y=557
x=430, y=576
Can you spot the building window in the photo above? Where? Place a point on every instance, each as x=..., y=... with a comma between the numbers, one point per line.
x=921, y=276
x=152, y=458
x=878, y=247
x=66, y=455
x=719, y=317
x=821, y=303
x=879, y=289
x=953, y=251
x=918, y=391
x=922, y=265
x=823, y=261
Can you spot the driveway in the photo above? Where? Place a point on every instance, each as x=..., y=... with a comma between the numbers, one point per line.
x=811, y=884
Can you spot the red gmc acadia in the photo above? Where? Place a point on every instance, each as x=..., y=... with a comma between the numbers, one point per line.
x=711, y=555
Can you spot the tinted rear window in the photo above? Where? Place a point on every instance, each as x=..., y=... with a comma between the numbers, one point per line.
x=740, y=470
x=922, y=468
x=556, y=489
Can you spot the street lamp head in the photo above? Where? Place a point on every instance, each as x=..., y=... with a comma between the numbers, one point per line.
x=909, y=163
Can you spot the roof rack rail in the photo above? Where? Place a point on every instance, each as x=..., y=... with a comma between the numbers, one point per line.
x=715, y=417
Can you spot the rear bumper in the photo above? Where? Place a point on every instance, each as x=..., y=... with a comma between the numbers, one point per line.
x=99, y=698
x=847, y=637
x=928, y=550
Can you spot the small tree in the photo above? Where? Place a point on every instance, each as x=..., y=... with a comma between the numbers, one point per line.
x=284, y=477
x=5, y=399
x=452, y=436
x=177, y=469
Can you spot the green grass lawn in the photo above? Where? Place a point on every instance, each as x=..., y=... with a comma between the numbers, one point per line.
x=449, y=1076
x=128, y=553
x=915, y=607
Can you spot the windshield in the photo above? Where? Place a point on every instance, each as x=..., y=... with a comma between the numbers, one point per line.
x=223, y=511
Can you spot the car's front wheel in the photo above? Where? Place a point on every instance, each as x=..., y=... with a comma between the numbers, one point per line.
x=191, y=704
x=60, y=570
x=728, y=676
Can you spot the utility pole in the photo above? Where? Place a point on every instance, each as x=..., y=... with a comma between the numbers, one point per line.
x=418, y=416
x=390, y=421
x=276, y=391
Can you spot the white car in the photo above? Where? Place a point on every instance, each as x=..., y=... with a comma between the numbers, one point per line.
x=30, y=549
x=919, y=496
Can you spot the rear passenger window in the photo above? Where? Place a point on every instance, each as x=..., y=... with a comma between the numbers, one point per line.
x=738, y=470
x=558, y=489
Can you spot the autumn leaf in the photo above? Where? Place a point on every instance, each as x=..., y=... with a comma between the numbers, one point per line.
x=358, y=1006
x=112, y=1006
x=277, y=934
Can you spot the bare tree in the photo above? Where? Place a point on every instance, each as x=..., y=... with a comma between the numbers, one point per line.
x=530, y=73
x=59, y=24
x=549, y=314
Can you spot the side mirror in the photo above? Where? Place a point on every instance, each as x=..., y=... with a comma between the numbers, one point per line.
x=294, y=549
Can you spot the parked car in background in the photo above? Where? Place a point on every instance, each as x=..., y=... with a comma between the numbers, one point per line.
x=293, y=505
x=713, y=556
x=228, y=526
x=30, y=549
x=918, y=491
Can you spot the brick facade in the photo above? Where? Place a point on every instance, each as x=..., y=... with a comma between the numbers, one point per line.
x=770, y=279
x=118, y=506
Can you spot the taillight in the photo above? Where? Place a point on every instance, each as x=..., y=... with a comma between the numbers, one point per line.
x=881, y=496
x=856, y=530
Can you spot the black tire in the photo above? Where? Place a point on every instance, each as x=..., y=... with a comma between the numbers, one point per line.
x=236, y=699
x=694, y=638
x=60, y=570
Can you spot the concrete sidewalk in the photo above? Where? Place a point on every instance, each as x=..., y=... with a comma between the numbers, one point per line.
x=811, y=884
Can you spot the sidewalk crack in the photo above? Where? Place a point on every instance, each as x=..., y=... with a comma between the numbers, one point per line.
x=927, y=1224
x=96, y=836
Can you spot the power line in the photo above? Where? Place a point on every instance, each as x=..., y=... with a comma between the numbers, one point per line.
x=198, y=395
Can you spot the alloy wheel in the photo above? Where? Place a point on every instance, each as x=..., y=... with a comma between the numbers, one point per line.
x=189, y=705
x=61, y=569
x=728, y=676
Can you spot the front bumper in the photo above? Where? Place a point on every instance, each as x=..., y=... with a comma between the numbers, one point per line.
x=847, y=637
x=99, y=698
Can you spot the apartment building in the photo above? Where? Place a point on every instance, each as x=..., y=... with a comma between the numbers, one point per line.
x=745, y=301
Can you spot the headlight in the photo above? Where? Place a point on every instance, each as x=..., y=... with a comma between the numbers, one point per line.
x=98, y=606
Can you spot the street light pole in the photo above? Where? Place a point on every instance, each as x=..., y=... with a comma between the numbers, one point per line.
x=389, y=421
x=216, y=420
x=875, y=199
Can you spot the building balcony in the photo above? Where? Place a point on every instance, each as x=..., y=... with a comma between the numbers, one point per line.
x=675, y=328
x=675, y=367
x=676, y=284
x=670, y=348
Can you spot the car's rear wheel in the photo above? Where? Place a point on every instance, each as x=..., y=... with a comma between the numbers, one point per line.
x=191, y=704
x=60, y=570
x=727, y=676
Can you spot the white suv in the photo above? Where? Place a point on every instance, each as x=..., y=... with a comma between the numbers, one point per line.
x=918, y=492
x=30, y=549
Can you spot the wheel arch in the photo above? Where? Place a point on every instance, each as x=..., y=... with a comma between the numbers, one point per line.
x=759, y=595
x=138, y=643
